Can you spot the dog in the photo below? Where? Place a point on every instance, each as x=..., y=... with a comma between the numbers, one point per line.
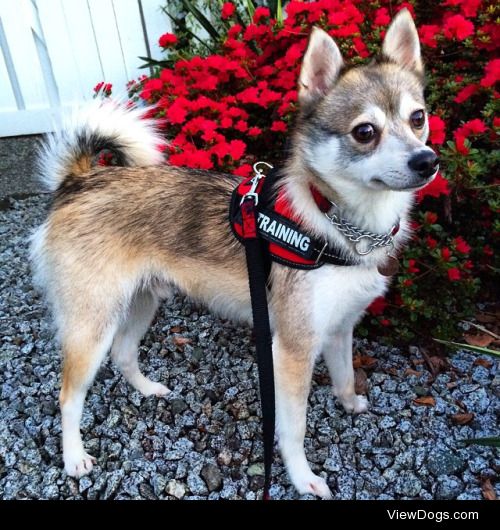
x=118, y=240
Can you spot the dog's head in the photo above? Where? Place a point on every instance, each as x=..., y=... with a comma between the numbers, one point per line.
x=367, y=125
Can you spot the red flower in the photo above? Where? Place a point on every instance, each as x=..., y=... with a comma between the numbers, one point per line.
x=428, y=34
x=200, y=159
x=228, y=10
x=260, y=14
x=254, y=131
x=437, y=130
x=468, y=265
x=487, y=250
x=177, y=112
x=382, y=17
x=167, y=39
x=236, y=149
x=492, y=71
x=408, y=6
x=407, y=283
x=445, y=254
x=473, y=127
x=439, y=186
x=453, y=274
x=385, y=322
x=278, y=126
x=458, y=27
x=244, y=170
x=377, y=306
x=461, y=245
x=460, y=143
x=153, y=85
x=411, y=266
x=431, y=242
x=430, y=218
x=468, y=7
x=241, y=126
x=466, y=93
x=249, y=95
x=360, y=47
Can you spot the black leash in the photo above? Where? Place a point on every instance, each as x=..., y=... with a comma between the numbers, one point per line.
x=257, y=276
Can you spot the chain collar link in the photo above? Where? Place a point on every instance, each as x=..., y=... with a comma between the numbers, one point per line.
x=364, y=241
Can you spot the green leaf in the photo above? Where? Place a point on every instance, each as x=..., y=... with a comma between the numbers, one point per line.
x=490, y=441
x=250, y=8
x=475, y=349
x=279, y=12
x=187, y=30
x=202, y=19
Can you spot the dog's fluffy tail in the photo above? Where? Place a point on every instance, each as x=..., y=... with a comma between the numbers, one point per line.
x=126, y=132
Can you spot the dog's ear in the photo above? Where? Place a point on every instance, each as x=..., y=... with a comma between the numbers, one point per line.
x=401, y=43
x=320, y=67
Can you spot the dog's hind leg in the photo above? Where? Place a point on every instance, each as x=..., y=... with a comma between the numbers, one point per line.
x=338, y=358
x=84, y=348
x=125, y=349
x=293, y=373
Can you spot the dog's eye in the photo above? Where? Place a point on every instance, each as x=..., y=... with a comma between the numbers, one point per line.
x=364, y=133
x=418, y=119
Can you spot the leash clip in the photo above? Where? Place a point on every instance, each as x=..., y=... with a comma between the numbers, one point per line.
x=251, y=193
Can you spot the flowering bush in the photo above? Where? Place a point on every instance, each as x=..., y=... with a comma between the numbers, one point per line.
x=224, y=110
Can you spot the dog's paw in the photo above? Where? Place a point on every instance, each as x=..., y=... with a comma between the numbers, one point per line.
x=311, y=484
x=354, y=404
x=150, y=388
x=79, y=464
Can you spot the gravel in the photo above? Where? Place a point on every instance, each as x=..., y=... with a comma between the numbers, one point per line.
x=204, y=441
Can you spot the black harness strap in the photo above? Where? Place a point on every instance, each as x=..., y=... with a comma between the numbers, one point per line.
x=257, y=275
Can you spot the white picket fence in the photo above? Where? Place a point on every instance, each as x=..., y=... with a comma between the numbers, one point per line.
x=55, y=51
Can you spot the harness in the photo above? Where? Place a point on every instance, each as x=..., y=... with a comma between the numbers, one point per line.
x=267, y=226
x=284, y=240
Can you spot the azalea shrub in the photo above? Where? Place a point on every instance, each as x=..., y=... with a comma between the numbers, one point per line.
x=231, y=106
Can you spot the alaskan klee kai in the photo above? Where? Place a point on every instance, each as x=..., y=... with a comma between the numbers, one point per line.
x=118, y=240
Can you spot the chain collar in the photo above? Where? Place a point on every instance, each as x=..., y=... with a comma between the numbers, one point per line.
x=364, y=241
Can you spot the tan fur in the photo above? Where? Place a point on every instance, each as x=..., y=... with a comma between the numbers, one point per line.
x=81, y=166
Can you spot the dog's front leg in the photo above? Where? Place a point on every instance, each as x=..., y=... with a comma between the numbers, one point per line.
x=293, y=372
x=338, y=358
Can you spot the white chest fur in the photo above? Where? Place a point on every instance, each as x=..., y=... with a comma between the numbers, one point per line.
x=340, y=295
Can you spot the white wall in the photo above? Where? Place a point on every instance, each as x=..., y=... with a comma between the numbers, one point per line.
x=53, y=52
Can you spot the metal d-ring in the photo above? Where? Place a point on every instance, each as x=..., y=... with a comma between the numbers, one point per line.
x=370, y=247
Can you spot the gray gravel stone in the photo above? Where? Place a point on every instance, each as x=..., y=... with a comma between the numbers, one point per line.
x=204, y=441
x=449, y=487
x=112, y=484
x=176, y=489
x=196, y=485
x=444, y=462
x=212, y=477
x=407, y=484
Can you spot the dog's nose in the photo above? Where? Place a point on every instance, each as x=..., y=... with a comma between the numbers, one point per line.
x=425, y=163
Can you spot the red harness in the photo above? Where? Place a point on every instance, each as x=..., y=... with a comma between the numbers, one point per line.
x=279, y=226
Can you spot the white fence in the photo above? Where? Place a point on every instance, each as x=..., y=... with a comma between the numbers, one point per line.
x=53, y=52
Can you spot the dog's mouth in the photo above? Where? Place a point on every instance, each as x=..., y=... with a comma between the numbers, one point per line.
x=398, y=186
